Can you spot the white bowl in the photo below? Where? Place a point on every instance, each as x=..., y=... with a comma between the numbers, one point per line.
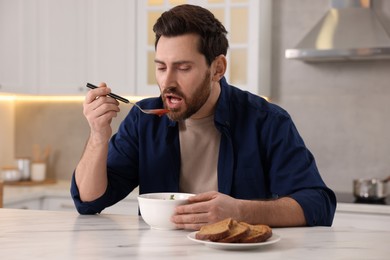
x=158, y=208
x=10, y=174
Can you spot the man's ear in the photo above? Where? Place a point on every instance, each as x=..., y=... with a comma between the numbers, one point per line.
x=219, y=67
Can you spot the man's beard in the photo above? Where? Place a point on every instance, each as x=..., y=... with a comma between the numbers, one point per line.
x=193, y=103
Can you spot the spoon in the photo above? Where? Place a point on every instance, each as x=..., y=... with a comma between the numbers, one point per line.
x=158, y=111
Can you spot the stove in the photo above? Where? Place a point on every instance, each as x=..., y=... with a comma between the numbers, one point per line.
x=345, y=197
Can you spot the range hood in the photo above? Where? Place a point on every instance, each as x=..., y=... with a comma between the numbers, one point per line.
x=350, y=30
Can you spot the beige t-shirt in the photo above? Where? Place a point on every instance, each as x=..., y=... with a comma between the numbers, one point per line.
x=199, y=148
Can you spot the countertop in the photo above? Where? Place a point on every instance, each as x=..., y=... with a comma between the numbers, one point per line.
x=38, y=234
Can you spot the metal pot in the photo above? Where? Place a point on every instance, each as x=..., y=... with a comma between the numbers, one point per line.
x=370, y=189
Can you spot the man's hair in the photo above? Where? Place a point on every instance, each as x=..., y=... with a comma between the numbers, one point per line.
x=187, y=19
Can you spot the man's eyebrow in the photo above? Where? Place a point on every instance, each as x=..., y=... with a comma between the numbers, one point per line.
x=174, y=63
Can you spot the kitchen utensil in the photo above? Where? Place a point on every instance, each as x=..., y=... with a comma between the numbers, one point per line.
x=40, y=154
x=370, y=189
x=158, y=112
x=38, y=171
x=24, y=167
x=10, y=174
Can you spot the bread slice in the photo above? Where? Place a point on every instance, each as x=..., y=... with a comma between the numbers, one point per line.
x=237, y=231
x=215, y=231
x=258, y=233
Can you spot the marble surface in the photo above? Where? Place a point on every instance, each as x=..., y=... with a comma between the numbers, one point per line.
x=30, y=234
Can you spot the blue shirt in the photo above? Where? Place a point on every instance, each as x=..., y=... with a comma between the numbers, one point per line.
x=261, y=157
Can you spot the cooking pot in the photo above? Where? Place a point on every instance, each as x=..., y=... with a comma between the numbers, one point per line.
x=370, y=189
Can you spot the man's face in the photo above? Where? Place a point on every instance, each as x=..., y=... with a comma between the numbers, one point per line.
x=183, y=75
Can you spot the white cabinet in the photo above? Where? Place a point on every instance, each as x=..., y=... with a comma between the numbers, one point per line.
x=18, y=45
x=34, y=204
x=86, y=41
x=62, y=46
x=127, y=207
x=56, y=46
x=42, y=46
x=62, y=203
x=58, y=204
x=110, y=45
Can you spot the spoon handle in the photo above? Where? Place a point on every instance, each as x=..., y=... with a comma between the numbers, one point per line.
x=117, y=97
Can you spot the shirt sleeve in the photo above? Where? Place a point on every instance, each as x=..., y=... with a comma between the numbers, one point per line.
x=318, y=205
x=92, y=207
x=293, y=172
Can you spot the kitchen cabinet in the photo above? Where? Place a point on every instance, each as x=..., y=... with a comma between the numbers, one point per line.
x=61, y=46
x=35, y=204
x=41, y=46
x=18, y=45
x=127, y=206
x=55, y=46
x=58, y=203
x=110, y=44
x=87, y=41
x=56, y=197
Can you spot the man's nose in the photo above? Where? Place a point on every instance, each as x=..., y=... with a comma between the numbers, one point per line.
x=169, y=79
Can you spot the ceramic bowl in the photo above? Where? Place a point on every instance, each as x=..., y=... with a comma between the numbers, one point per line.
x=158, y=208
x=10, y=174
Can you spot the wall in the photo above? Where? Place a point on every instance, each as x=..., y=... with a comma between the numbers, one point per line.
x=341, y=109
x=58, y=124
x=6, y=133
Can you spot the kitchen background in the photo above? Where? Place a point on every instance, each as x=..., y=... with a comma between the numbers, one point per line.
x=340, y=108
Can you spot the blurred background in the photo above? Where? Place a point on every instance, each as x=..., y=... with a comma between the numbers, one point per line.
x=50, y=49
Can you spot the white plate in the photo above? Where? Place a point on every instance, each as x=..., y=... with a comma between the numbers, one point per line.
x=234, y=246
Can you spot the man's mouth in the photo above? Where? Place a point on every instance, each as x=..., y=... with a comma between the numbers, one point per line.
x=173, y=101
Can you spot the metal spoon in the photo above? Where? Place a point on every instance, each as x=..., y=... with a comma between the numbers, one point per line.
x=158, y=111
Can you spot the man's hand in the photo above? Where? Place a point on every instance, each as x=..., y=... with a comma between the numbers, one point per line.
x=210, y=207
x=99, y=109
x=205, y=208
x=91, y=175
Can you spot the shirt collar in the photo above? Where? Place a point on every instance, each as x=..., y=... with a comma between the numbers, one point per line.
x=222, y=111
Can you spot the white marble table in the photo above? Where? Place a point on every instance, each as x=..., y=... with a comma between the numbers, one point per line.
x=30, y=234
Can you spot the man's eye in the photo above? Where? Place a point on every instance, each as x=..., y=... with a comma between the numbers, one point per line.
x=186, y=68
x=161, y=68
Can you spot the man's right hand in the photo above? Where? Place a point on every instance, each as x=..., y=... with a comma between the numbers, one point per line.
x=91, y=171
x=99, y=109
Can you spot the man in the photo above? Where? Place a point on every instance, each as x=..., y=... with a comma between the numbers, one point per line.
x=240, y=155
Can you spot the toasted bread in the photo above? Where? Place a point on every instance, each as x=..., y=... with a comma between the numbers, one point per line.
x=237, y=231
x=257, y=233
x=215, y=231
x=232, y=231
